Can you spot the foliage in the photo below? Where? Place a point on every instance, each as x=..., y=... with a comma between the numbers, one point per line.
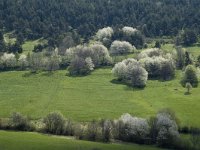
x=36, y=22
x=189, y=37
x=80, y=66
x=190, y=76
x=8, y=61
x=158, y=64
x=167, y=130
x=180, y=57
x=131, y=71
x=23, y=62
x=188, y=86
x=54, y=123
x=121, y=47
x=133, y=129
x=19, y=122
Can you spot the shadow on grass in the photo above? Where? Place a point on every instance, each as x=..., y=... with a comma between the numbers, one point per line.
x=29, y=74
x=128, y=86
x=47, y=74
x=187, y=93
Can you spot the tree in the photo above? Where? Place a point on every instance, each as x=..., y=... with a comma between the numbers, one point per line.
x=54, y=123
x=104, y=35
x=121, y=47
x=120, y=70
x=101, y=55
x=22, y=61
x=133, y=129
x=188, y=86
x=131, y=72
x=19, y=122
x=167, y=70
x=80, y=66
x=189, y=37
x=157, y=44
x=35, y=62
x=8, y=60
x=180, y=57
x=138, y=76
x=52, y=62
x=188, y=60
x=167, y=130
x=190, y=76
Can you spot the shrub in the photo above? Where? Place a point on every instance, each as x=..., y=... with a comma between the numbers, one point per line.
x=104, y=35
x=23, y=62
x=121, y=47
x=134, y=129
x=83, y=59
x=106, y=130
x=19, y=122
x=36, y=62
x=180, y=57
x=8, y=61
x=54, y=123
x=190, y=76
x=167, y=71
x=101, y=55
x=167, y=129
x=120, y=70
x=131, y=72
x=128, y=31
x=92, y=131
x=138, y=75
x=158, y=64
x=52, y=63
x=68, y=128
x=80, y=66
x=150, y=53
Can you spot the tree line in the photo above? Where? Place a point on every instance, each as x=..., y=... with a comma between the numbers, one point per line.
x=80, y=19
x=162, y=130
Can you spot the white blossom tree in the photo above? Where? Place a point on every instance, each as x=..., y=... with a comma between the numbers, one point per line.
x=8, y=60
x=121, y=47
x=23, y=62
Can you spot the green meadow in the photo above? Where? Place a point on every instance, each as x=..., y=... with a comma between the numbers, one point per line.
x=35, y=141
x=94, y=96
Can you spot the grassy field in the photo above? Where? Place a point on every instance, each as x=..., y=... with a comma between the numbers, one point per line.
x=28, y=46
x=92, y=97
x=34, y=141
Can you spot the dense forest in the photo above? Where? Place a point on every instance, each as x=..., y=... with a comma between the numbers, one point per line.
x=54, y=19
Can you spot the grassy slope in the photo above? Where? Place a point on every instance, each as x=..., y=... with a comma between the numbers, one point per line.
x=94, y=96
x=34, y=141
x=28, y=46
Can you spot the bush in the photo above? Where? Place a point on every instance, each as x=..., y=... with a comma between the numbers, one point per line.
x=167, y=129
x=92, y=131
x=19, y=122
x=106, y=130
x=52, y=63
x=190, y=76
x=68, y=128
x=138, y=76
x=80, y=66
x=131, y=72
x=54, y=123
x=158, y=64
x=133, y=129
x=104, y=35
x=23, y=62
x=167, y=71
x=180, y=57
x=121, y=47
x=100, y=55
x=8, y=61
